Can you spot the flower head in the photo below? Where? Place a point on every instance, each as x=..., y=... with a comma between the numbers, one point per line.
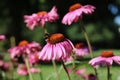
x=106, y=58
x=22, y=70
x=57, y=47
x=2, y=37
x=81, y=50
x=24, y=47
x=33, y=58
x=40, y=18
x=75, y=12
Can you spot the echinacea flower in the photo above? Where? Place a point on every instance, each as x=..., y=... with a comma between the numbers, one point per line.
x=58, y=47
x=24, y=47
x=33, y=58
x=40, y=18
x=106, y=58
x=81, y=50
x=75, y=12
x=2, y=37
x=22, y=70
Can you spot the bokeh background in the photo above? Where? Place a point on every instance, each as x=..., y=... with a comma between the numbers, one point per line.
x=103, y=26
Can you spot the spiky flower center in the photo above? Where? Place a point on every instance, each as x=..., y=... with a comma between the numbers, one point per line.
x=79, y=45
x=107, y=54
x=74, y=7
x=23, y=43
x=56, y=38
x=41, y=13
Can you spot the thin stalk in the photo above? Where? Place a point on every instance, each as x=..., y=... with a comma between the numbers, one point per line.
x=41, y=76
x=12, y=44
x=65, y=70
x=108, y=73
x=89, y=45
x=73, y=59
x=28, y=68
x=11, y=76
x=87, y=39
x=55, y=68
x=73, y=63
x=96, y=73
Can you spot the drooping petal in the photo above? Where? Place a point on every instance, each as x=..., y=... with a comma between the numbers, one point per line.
x=43, y=52
x=96, y=61
x=116, y=59
x=63, y=50
x=49, y=52
x=53, y=15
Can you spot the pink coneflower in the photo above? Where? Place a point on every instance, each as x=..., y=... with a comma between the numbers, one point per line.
x=22, y=70
x=81, y=50
x=2, y=37
x=40, y=18
x=24, y=47
x=76, y=11
x=106, y=58
x=33, y=58
x=57, y=47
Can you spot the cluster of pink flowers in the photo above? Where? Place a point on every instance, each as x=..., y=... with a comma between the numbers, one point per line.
x=75, y=12
x=58, y=47
x=26, y=49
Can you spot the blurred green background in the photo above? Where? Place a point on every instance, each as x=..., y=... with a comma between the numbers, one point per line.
x=103, y=26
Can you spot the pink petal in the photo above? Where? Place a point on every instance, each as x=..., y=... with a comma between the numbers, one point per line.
x=55, y=52
x=116, y=59
x=43, y=52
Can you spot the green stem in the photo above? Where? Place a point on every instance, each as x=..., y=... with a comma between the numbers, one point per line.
x=96, y=73
x=55, y=68
x=41, y=77
x=11, y=71
x=87, y=39
x=28, y=68
x=89, y=45
x=73, y=59
x=73, y=63
x=65, y=70
x=108, y=73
